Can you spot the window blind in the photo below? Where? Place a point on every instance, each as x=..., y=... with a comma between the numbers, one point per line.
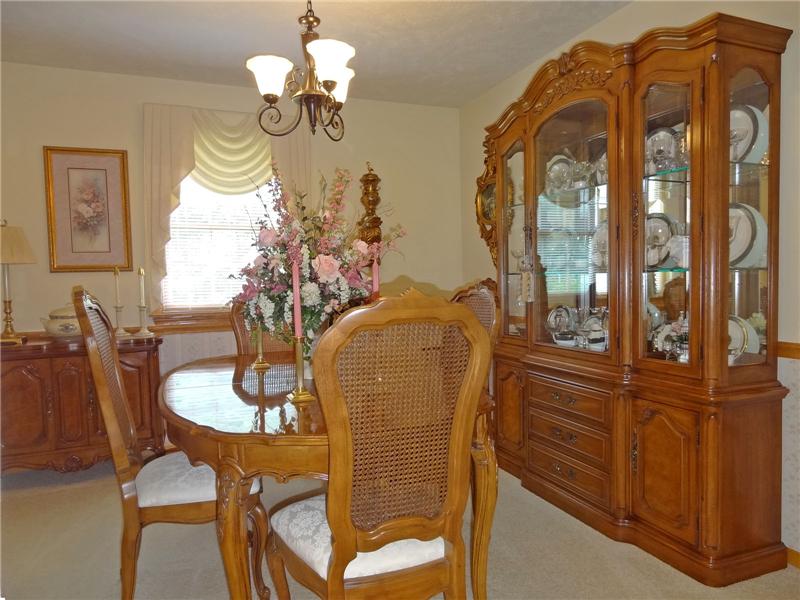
x=212, y=237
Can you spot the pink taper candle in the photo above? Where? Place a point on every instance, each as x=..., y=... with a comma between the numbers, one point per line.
x=298, y=325
x=376, y=277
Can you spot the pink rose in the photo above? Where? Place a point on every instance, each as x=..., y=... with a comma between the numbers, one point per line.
x=267, y=237
x=259, y=261
x=327, y=268
x=361, y=246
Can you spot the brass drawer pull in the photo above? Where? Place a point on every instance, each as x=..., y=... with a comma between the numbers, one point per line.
x=567, y=401
x=572, y=439
x=556, y=432
x=559, y=470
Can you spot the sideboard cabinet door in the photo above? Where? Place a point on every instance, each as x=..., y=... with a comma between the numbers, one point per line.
x=137, y=381
x=27, y=423
x=510, y=404
x=664, y=456
x=70, y=384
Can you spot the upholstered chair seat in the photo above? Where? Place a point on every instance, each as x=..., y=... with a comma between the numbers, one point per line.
x=172, y=479
x=304, y=527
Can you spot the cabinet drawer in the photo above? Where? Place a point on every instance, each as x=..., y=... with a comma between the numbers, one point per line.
x=570, y=474
x=584, y=443
x=591, y=406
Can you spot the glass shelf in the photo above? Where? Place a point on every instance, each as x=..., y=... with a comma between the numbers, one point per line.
x=667, y=270
x=676, y=175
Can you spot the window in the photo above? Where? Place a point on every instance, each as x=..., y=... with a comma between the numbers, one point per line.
x=211, y=238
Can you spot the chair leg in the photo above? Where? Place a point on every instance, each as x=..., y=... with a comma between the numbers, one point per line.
x=260, y=529
x=131, y=541
x=457, y=587
x=277, y=570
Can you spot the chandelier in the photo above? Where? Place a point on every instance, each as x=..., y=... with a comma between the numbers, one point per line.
x=319, y=91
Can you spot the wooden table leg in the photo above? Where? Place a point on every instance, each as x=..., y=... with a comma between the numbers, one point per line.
x=484, y=499
x=232, y=491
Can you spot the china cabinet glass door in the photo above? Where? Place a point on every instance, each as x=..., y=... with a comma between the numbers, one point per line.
x=517, y=282
x=571, y=263
x=667, y=244
x=748, y=203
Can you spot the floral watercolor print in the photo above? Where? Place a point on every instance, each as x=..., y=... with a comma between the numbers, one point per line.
x=88, y=214
x=88, y=202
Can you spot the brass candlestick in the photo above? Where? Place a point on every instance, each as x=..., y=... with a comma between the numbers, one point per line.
x=143, y=332
x=299, y=395
x=119, y=332
x=260, y=365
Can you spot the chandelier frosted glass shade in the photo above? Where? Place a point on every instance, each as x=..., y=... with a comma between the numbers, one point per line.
x=342, y=84
x=270, y=73
x=330, y=58
x=319, y=90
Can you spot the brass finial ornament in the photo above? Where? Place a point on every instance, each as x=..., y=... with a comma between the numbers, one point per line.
x=320, y=90
x=369, y=226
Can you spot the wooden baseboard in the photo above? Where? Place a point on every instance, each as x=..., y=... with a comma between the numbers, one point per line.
x=793, y=556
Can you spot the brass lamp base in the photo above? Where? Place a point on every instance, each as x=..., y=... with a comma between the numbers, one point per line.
x=13, y=340
x=298, y=397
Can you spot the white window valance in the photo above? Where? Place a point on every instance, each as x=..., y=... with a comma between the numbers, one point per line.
x=231, y=152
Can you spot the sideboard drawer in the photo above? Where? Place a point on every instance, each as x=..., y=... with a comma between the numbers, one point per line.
x=585, y=443
x=592, y=406
x=570, y=474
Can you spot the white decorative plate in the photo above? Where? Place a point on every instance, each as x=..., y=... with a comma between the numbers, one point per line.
x=659, y=229
x=760, y=142
x=743, y=133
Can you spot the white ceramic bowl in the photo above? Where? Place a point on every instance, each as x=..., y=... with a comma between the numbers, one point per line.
x=62, y=322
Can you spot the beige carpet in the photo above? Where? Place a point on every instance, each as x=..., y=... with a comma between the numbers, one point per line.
x=60, y=538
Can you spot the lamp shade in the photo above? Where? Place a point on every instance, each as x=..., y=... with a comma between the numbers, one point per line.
x=270, y=72
x=342, y=84
x=330, y=58
x=14, y=246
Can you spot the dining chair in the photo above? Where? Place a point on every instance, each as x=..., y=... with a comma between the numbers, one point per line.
x=244, y=337
x=481, y=299
x=164, y=489
x=398, y=382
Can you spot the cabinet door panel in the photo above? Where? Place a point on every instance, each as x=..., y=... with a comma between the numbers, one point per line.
x=136, y=379
x=509, y=399
x=70, y=385
x=27, y=406
x=664, y=468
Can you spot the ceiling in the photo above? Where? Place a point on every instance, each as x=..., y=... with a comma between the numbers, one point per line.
x=436, y=53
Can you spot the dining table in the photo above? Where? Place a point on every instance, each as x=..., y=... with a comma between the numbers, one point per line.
x=224, y=413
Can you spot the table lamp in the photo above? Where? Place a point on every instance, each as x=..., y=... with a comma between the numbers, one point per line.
x=14, y=250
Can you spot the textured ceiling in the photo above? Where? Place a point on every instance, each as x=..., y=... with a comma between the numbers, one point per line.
x=436, y=53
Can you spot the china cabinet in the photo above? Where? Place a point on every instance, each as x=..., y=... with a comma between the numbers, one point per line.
x=630, y=203
x=50, y=416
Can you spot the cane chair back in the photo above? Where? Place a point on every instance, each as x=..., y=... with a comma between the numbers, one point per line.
x=244, y=337
x=101, y=348
x=399, y=383
x=481, y=299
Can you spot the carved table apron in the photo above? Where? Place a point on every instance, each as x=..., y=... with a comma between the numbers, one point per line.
x=221, y=413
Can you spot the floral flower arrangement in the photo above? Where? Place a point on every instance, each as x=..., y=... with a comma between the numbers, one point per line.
x=332, y=261
x=89, y=210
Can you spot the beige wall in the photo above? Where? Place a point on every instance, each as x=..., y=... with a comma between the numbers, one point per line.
x=414, y=149
x=626, y=25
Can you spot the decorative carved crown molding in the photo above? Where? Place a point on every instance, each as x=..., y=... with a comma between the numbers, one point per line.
x=570, y=81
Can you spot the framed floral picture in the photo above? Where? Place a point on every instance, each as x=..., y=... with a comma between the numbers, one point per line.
x=88, y=214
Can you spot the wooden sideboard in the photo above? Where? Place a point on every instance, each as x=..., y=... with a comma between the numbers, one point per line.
x=50, y=416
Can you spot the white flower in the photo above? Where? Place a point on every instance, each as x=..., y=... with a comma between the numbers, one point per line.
x=267, y=310
x=310, y=295
x=305, y=263
x=344, y=290
x=85, y=210
x=287, y=308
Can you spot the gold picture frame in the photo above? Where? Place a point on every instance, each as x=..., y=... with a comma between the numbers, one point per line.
x=88, y=212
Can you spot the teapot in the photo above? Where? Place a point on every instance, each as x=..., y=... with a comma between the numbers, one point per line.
x=62, y=322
